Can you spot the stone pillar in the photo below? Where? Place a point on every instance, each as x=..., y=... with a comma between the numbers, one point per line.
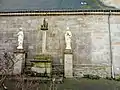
x=44, y=42
x=44, y=28
x=68, y=64
x=19, y=61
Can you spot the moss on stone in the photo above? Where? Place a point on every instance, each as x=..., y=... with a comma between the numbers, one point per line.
x=42, y=65
x=43, y=57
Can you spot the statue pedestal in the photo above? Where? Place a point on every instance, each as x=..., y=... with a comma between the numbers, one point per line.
x=19, y=61
x=68, y=64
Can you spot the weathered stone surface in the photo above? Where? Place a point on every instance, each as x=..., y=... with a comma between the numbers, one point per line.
x=68, y=65
x=19, y=62
x=41, y=70
x=102, y=71
x=90, y=38
x=115, y=40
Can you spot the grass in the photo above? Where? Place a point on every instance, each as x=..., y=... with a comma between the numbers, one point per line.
x=87, y=7
x=88, y=84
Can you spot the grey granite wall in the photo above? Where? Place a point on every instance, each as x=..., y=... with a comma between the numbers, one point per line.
x=90, y=40
x=115, y=33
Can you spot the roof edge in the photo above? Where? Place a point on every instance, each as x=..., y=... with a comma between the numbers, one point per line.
x=62, y=12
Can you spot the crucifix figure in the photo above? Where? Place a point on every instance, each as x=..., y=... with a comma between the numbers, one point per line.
x=45, y=25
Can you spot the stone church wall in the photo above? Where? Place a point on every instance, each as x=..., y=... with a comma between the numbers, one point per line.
x=90, y=40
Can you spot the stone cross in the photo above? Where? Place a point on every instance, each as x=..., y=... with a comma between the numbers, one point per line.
x=45, y=25
x=44, y=28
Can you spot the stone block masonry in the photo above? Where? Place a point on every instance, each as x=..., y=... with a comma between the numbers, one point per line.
x=90, y=39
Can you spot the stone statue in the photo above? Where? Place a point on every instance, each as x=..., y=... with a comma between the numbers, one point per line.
x=20, y=39
x=68, y=36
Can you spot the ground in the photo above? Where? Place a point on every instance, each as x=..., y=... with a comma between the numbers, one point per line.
x=73, y=84
x=87, y=84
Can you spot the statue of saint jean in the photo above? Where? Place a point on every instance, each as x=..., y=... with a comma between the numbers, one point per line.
x=20, y=38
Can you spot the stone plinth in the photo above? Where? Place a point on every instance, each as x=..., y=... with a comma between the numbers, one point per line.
x=19, y=61
x=68, y=64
